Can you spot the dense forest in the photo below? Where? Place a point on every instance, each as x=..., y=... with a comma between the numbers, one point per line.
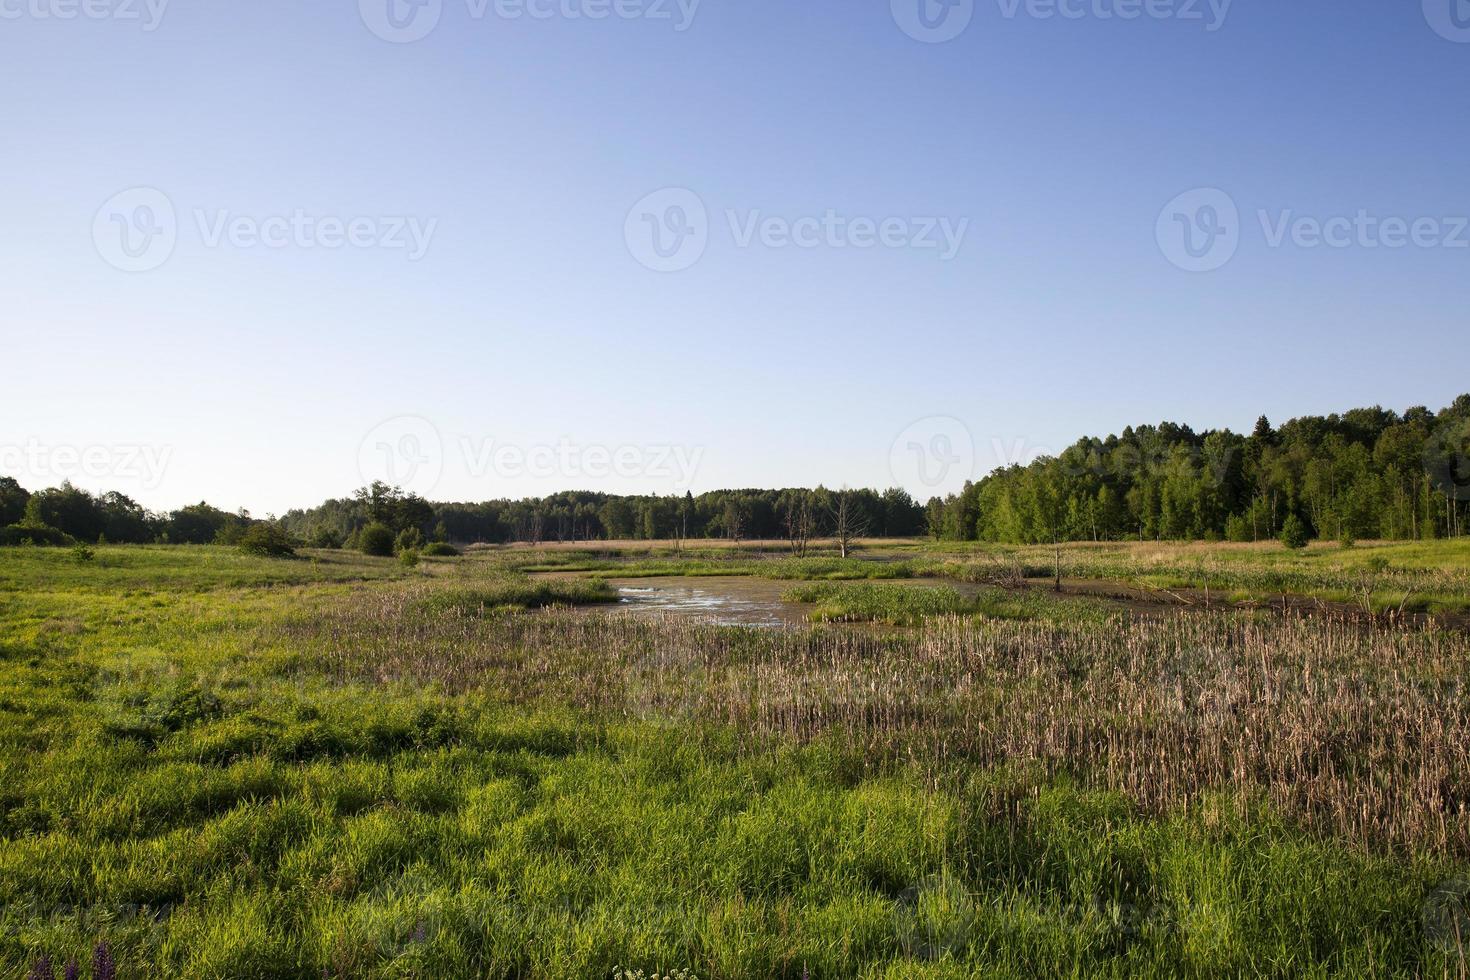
x=66, y=513
x=795, y=515
x=1368, y=473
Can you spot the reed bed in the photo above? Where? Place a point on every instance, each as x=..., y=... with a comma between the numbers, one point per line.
x=1353, y=729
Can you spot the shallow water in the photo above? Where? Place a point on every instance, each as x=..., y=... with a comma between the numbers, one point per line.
x=722, y=600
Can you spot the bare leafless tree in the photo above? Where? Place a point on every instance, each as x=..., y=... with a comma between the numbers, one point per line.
x=798, y=515
x=848, y=523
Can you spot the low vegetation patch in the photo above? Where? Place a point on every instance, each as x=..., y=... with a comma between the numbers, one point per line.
x=266, y=540
x=519, y=592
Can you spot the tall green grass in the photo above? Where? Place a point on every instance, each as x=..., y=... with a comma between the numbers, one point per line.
x=226, y=768
x=912, y=605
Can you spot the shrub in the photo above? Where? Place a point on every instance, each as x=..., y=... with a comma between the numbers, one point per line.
x=81, y=553
x=37, y=534
x=409, y=539
x=376, y=539
x=409, y=557
x=267, y=540
x=232, y=531
x=441, y=549
x=326, y=538
x=1294, y=533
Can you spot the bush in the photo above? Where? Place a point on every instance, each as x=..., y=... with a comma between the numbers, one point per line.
x=409, y=539
x=81, y=553
x=441, y=549
x=376, y=539
x=37, y=534
x=1294, y=533
x=409, y=557
x=267, y=540
x=232, y=531
x=326, y=538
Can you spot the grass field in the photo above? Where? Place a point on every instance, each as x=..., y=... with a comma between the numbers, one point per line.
x=222, y=766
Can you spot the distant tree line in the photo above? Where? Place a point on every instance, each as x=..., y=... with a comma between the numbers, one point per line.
x=1368, y=473
x=793, y=515
x=66, y=513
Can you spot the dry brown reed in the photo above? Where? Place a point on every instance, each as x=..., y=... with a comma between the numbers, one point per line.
x=1354, y=729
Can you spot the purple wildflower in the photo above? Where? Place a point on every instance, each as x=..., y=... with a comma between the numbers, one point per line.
x=43, y=969
x=103, y=967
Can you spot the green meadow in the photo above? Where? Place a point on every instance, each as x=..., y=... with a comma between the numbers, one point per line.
x=223, y=766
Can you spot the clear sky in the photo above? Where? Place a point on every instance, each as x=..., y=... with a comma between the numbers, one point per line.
x=261, y=252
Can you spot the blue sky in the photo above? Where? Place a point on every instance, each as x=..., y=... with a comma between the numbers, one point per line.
x=498, y=299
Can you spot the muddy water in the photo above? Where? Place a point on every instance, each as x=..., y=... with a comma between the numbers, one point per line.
x=732, y=600
x=723, y=600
